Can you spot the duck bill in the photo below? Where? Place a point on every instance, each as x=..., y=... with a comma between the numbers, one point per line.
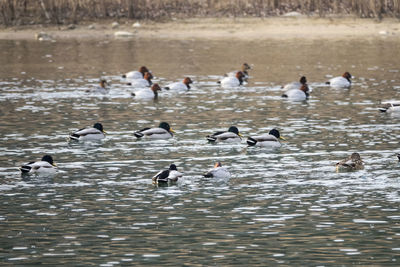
x=172, y=131
x=240, y=135
x=54, y=164
x=283, y=138
x=104, y=132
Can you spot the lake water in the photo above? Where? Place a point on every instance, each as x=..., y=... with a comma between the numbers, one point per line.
x=286, y=206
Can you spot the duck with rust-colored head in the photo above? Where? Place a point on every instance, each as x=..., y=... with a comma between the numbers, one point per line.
x=231, y=136
x=296, y=85
x=136, y=74
x=163, y=131
x=235, y=81
x=244, y=69
x=180, y=86
x=143, y=82
x=351, y=163
x=341, y=81
x=148, y=93
x=297, y=94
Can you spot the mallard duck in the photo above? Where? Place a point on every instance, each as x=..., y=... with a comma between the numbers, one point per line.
x=341, y=81
x=136, y=74
x=350, y=163
x=94, y=133
x=297, y=94
x=295, y=85
x=180, y=86
x=244, y=69
x=390, y=107
x=167, y=176
x=235, y=81
x=267, y=140
x=164, y=131
x=218, y=172
x=45, y=166
x=148, y=93
x=232, y=135
x=142, y=82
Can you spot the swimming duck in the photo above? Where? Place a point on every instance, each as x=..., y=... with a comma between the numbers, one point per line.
x=341, y=81
x=350, y=163
x=94, y=133
x=164, y=131
x=148, y=93
x=45, y=166
x=167, y=176
x=267, y=140
x=136, y=74
x=100, y=89
x=297, y=94
x=296, y=85
x=232, y=135
x=180, y=86
x=142, y=82
x=232, y=81
x=244, y=69
x=218, y=172
x=390, y=107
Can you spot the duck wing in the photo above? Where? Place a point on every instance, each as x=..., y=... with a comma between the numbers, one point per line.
x=161, y=176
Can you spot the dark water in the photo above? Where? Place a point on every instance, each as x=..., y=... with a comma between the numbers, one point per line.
x=285, y=206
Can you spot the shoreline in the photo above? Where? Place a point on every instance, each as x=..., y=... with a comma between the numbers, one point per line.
x=217, y=29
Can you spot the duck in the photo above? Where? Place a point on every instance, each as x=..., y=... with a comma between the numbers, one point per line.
x=341, y=81
x=232, y=135
x=171, y=175
x=390, y=107
x=244, y=69
x=180, y=86
x=297, y=94
x=398, y=156
x=101, y=88
x=148, y=93
x=136, y=74
x=296, y=85
x=267, y=140
x=218, y=172
x=45, y=166
x=93, y=133
x=235, y=81
x=164, y=131
x=142, y=82
x=351, y=163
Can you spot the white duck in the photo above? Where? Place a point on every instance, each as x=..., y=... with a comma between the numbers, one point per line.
x=180, y=86
x=231, y=136
x=218, y=172
x=136, y=74
x=86, y=134
x=297, y=94
x=148, y=93
x=142, y=82
x=341, y=81
x=164, y=131
x=267, y=140
x=167, y=176
x=295, y=85
x=235, y=81
x=45, y=166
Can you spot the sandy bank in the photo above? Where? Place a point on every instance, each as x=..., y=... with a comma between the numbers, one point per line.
x=245, y=29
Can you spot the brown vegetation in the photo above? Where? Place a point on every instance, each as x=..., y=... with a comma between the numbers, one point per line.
x=20, y=12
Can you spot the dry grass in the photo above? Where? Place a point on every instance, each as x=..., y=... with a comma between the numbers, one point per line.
x=20, y=12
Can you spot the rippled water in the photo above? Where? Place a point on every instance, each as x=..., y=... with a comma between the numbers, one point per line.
x=285, y=206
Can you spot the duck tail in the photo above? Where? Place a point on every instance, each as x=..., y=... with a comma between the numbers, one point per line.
x=328, y=83
x=74, y=137
x=138, y=134
x=133, y=94
x=123, y=75
x=251, y=141
x=208, y=175
x=285, y=95
x=382, y=109
x=211, y=139
x=219, y=82
x=166, y=88
x=25, y=168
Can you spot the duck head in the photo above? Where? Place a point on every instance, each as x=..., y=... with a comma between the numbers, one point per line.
x=246, y=67
x=187, y=81
x=148, y=76
x=217, y=164
x=276, y=133
x=235, y=130
x=303, y=80
x=165, y=125
x=172, y=167
x=240, y=75
x=355, y=157
x=103, y=83
x=143, y=70
x=99, y=127
x=48, y=159
x=347, y=75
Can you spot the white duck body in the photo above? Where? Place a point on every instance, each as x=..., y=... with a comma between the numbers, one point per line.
x=178, y=86
x=145, y=93
x=156, y=133
x=140, y=83
x=296, y=95
x=293, y=85
x=218, y=173
x=230, y=81
x=41, y=168
x=266, y=140
x=339, y=82
x=89, y=134
x=134, y=75
x=391, y=107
